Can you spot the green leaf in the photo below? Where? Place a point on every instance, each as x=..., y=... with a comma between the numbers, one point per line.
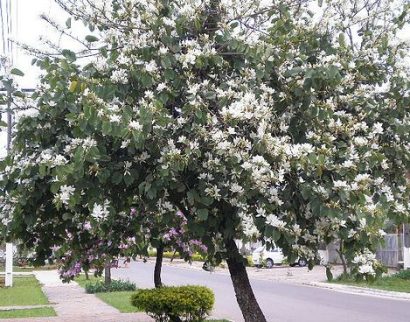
x=275, y=235
x=67, y=216
x=91, y=38
x=17, y=72
x=128, y=180
x=116, y=178
x=202, y=214
x=68, y=23
x=70, y=55
x=342, y=41
x=207, y=201
x=2, y=123
x=73, y=86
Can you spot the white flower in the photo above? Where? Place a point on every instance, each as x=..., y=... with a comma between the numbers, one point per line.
x=151, y=66
x=59, y=160
x=214, y=192
x=377, y=128
x=362, y=177
x=88, y=143
x=366, y=269
x=274, y=221
x=100, y=211
x=168, y=22
x=125, y=144
x=161, y=87
x=260, y=212
x=119, y=76
x=127, y=166
x=149, y=95
x=236, y=188
x=163, y=50
x=348, y=164
x=115, y=118
x=360, y=141
x=339, y=184
x=65, y=193
x=231, y=130
x=135, y=125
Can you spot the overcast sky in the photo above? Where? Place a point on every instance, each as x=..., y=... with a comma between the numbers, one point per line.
x=29, y=29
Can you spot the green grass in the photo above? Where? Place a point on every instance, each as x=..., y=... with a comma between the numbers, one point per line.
x=29, y=313
x=119, y=300
x=398, y=283
x=81, y=280
x=25, y=291
x=19, y=269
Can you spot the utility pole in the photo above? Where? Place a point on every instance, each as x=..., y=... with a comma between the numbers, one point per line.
x=9, y=246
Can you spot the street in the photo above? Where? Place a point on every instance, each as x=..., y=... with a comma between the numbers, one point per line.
x=280, y=301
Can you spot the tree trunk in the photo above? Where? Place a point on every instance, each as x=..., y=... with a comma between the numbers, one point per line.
x=86, y=275
x=107, y=272
x=243, y=289
x=158, y=265
x=173, y=255
x=342, y=258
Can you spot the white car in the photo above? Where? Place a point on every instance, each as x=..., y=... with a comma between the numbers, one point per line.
x=272, y=257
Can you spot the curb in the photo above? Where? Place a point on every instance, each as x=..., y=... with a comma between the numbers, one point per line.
x=361, y=291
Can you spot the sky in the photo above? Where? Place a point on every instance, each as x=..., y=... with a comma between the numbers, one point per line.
x=30, y=27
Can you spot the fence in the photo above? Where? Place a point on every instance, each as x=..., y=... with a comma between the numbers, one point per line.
x=390, y=253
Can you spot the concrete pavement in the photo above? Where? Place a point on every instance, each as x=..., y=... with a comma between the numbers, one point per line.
x=71, y=303
x=280, y=300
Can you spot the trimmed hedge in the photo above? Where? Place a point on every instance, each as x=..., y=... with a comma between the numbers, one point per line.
x=115, y=286
x=194, y=257
x=178, y=303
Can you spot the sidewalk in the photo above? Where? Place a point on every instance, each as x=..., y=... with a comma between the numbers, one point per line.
x=71, y=303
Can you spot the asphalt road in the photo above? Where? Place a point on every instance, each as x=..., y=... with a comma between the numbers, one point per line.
x=282, y=302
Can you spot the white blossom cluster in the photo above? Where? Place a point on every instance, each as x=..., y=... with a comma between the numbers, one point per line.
x=365, y=262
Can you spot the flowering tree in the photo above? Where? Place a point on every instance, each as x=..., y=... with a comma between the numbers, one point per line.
x=288, y=120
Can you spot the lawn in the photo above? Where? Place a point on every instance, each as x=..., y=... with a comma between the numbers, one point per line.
x=29, y=268
x=399, y=282
x=30, y=313
x=25, y=291
x=119, y=300
x=81, y=280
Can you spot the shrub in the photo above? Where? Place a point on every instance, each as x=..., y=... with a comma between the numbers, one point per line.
x=114, y=286
x=403, y=274
x=179, y=303
x=168, y=254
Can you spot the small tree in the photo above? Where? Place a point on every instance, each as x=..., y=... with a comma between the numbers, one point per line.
x=246, y=116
